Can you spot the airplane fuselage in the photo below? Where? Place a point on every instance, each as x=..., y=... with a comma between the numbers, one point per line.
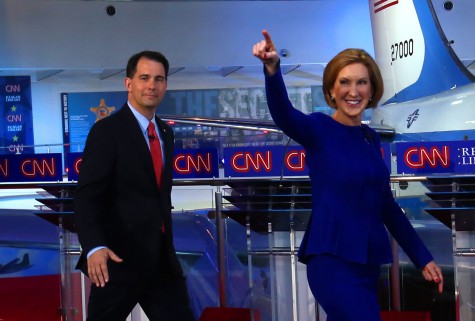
x=449, y=115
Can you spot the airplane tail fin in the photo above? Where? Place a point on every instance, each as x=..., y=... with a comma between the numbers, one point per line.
x=414, y=56
x=25, y=261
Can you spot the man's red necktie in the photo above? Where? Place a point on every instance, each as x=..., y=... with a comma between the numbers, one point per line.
x=156, y=152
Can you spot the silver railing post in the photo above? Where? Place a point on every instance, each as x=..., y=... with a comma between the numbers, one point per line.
x=221, y=250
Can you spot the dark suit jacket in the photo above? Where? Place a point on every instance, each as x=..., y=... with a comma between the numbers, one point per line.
x=118, y=203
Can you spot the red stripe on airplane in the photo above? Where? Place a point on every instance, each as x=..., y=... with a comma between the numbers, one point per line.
x=381, y=5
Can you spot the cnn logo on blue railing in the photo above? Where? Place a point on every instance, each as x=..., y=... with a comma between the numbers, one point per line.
x=264, y=161
x=187, y=163
x=436, y=157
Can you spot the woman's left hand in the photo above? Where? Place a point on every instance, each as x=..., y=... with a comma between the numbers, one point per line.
x=432, y=272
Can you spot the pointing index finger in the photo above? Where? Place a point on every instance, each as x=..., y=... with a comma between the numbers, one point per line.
x=267, y=38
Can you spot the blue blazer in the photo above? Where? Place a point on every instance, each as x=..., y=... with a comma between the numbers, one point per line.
x=352, y=203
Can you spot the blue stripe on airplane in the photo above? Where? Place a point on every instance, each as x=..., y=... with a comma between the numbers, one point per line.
x=442, y=69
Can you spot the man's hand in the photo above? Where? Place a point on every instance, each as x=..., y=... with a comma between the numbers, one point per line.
x=97, y=266
x=267, y=53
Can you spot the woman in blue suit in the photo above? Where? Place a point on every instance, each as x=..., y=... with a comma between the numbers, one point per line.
x=352, y=205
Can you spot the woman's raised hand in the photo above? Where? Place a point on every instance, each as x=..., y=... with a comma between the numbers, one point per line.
x=267, y=53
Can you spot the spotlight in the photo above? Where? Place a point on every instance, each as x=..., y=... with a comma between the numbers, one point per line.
x=448, y=5
x=110, y=10
x=284, y=53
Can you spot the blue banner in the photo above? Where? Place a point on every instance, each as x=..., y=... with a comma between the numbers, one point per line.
x=187, y=164
x=264, y=161
x=31, y=168
x=16, y=129
x=413, y=158
x=436, y=157
x=195, y=163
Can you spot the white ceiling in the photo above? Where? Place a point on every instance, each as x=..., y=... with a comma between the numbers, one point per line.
x=293, y=24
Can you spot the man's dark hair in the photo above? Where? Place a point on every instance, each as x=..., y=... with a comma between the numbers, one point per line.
x=152, y=55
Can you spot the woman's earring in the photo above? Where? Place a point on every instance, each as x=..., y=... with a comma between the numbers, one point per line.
x=332, y=98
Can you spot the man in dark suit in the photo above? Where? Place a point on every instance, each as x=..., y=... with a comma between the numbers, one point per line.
x=123, y=208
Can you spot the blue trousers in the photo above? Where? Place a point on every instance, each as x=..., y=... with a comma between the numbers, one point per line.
x=346, y=290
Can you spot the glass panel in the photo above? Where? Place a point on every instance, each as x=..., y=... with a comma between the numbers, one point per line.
x=466, y=286
x=416, y=294
x=261, y=242
x=274, y=215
